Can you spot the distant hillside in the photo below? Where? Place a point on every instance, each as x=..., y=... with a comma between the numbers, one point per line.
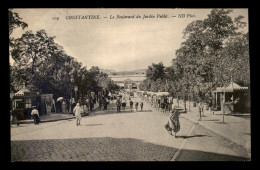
x=109, y=72
x=133, y=72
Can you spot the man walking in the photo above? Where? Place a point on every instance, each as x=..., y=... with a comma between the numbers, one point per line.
x=105, y=103
x=200, y=109
x=36, y=116
x=141, y=105
x=118, y=104
x=131, y=105
x=77, y=111
x=136, y=106
x=210, y=106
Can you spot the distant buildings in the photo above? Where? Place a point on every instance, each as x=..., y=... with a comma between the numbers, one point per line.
x=129, y=80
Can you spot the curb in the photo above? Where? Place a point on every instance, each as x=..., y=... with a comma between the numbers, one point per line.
x=44, y=121
x=219, y=134
x=213, y=131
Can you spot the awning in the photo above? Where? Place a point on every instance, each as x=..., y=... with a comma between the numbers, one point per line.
x=162, y=93
x=230, y=88
x=22, y=91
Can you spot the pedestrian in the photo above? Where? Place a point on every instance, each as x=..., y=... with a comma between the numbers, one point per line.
x=87, y=103
x=84, y=106
x=73, y=105
x=202, y=108
x=59, y=109
x=91, y=104
x=162, y=104
x=210, y=107
x=136, y=106
x=199, y=109
x=123, y=104
x=64, y=106
x=170, y=104
x=131, y=104
x=159, y=103
x=14, y=117
x=100, y=101
x=68, y=106
x=173, y=124
x=141, y=105
x=35, y=114
x=105, y=102
x=77, y=111
x=118, y=104
x=165, y=104
x=109, y=95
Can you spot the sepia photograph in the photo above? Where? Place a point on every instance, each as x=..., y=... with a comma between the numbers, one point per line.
x=129, y=84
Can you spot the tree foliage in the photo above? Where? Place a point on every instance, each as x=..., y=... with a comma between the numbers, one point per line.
x=44, y=66
x=14, y=22
x=214, y=53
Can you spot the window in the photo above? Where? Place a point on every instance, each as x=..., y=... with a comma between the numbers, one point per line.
x=28, y=103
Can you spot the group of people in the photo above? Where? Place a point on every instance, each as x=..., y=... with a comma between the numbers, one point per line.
x=103, y=102
x=161, y=103
x=34, y=114
x=122, y=103
x=62, y=106
x=66, y=106
x=201, y=106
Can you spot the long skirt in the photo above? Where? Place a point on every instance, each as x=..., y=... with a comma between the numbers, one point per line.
x=14, y=120
x=63, y=108
x=173, y=124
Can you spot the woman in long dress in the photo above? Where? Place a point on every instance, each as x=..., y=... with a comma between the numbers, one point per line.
x=173, y=124
x=64, y=106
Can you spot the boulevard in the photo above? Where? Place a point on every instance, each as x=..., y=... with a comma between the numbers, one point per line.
x=120, y=136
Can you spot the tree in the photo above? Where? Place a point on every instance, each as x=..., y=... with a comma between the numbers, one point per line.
x=14, y=22
x=32, y=47
x=156, y=71
x=203, y=57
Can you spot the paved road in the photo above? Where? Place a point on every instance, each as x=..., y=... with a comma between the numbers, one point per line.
x=125, y=136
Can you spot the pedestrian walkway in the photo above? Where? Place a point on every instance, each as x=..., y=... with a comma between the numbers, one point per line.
x=236, y=129
x=50, y=117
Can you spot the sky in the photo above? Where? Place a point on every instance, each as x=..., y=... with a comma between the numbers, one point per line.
x=116, y=44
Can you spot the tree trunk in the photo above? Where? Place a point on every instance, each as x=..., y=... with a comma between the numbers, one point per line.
x=33, y=62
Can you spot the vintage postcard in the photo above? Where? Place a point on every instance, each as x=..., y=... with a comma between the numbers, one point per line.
x=129, y=84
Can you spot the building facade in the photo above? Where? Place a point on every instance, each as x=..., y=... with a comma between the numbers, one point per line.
x=128, y=82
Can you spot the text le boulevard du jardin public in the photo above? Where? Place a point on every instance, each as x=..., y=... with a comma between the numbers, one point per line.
x=145, y=16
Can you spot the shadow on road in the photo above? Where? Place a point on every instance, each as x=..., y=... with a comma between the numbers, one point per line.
x=186, y=137
x=105, y=149
x=242, y=116
x=91, y=125
x=224, y=123
x=212, y=120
